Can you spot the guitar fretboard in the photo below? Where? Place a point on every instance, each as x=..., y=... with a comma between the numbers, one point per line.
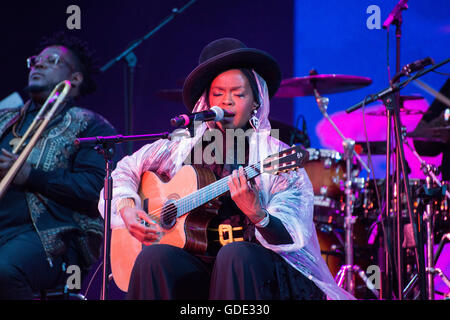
x=210, y=192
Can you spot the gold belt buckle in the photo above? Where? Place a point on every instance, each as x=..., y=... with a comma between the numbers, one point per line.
x=227, y=229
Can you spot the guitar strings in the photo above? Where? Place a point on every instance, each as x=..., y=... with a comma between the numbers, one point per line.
x=172, y=212
x=188, y=199
x=251, y=172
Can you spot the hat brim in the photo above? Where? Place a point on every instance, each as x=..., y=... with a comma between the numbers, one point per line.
x=263, y=63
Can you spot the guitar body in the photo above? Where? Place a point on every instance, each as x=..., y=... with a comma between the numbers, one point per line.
x=188, y=231
x=185, y=206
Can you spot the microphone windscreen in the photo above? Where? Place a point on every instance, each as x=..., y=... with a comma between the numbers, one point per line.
x=219, y=112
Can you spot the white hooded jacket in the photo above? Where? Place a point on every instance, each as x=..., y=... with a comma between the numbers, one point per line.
x=288, y=196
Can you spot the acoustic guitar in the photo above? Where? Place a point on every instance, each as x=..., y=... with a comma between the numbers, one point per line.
x=184, y=207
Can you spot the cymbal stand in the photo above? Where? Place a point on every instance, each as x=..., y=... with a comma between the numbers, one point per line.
x=387, y=95
x=428, y=217
x=346, y=271
x=445, y=239
x=427, y=169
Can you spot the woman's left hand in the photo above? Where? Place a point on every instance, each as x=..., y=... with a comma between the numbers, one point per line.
x=245, y=196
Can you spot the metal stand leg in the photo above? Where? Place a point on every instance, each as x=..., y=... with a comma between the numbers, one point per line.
x=428, y=217
x=350, y=269
x=413, y=282
x=444, y=278
x=346, y=271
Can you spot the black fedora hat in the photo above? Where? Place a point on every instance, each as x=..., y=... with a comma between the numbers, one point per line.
x=225, y=54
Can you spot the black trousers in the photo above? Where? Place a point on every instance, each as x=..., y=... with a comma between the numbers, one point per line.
x=24, y=268
x=241, y=270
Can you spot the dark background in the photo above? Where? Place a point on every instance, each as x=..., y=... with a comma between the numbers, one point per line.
x=164, y=60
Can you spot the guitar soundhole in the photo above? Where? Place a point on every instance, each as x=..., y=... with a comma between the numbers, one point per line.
x=168, y=216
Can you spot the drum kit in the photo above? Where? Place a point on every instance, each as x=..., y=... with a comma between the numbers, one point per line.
x=348, y=208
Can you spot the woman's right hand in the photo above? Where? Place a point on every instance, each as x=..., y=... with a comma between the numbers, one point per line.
x=133, y=218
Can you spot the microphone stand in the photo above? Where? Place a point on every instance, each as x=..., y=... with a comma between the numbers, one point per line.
x=387, y=95
x=131, y=61
x=347, y=271
x=105, y=147
x=394, y=87
x=397, y=21
x=391, y=100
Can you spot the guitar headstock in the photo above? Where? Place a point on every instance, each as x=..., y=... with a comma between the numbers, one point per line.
x=286, y=160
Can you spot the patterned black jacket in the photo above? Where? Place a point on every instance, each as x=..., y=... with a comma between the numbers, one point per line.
x=62, y=191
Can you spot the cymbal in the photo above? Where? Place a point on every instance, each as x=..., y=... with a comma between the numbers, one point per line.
x=411, y=110
x=411, y=97
x=287, y=133
x=355, y=125
x=436, y=134
x=324, y=83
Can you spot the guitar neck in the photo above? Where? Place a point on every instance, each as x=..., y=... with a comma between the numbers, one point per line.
x=210, y=192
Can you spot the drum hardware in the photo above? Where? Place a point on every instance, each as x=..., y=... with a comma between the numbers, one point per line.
x=436, y=134
x=430, y=195
x=444, y=240
x=401, y=180
x=324, y=83
x=328, y=202
x=404, y=111
x=327, y=169
x=411, y=285
x=348, y=270
x=376, y=147
x=439, y=96
x=428, y=218
x=291, y=134
x=434, y=271
x=391, y=99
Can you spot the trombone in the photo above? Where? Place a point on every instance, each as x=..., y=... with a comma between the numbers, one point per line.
x=40, y=121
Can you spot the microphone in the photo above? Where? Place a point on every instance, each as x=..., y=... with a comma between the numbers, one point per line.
x=413, y=67
x=417, y=65
x=213, y=114
x=401, y=5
